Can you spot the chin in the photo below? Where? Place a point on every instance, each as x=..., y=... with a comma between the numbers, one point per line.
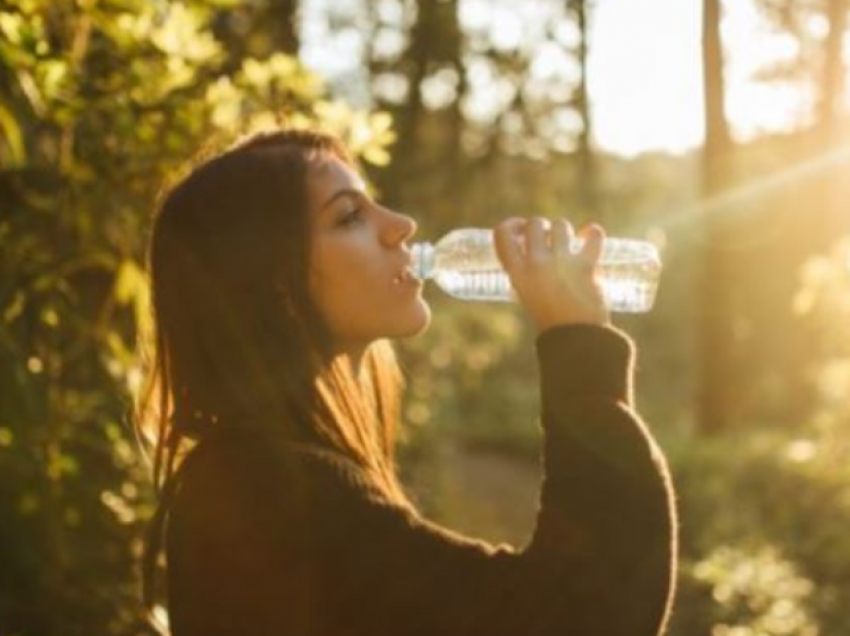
x=418, y=322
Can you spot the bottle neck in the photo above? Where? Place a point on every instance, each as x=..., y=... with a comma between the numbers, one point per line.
x=423, y=260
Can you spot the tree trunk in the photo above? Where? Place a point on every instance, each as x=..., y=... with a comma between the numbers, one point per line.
x=408, y=116
x=587, y=167
x=715, y=275
x=286, y=12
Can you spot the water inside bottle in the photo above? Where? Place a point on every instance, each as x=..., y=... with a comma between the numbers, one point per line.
x=465, y=266
x=626, y=286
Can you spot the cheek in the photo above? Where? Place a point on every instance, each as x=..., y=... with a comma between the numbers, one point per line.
x=337, y=288
x=343, y=268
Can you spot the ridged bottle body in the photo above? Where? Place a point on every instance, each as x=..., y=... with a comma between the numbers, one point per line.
x=464, y=264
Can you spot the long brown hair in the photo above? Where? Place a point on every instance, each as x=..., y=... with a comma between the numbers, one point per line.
x=235, y=337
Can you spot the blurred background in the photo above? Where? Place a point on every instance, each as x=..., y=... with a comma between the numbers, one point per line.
x=717, y=130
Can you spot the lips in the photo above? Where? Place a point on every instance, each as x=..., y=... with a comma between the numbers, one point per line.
x=406, y=276
x=405, y=271
x=403, y=276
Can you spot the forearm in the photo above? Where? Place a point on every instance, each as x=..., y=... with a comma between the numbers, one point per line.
x=607, y=496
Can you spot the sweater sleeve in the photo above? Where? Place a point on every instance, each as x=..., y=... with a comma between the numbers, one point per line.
x=322, y=552
x=602, y=557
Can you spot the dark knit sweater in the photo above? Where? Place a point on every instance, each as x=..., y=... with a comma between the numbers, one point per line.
x=300, y=544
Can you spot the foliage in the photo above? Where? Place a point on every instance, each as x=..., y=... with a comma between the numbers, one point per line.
x=823, y=304
x=765, y=511
x=473, y=352
x=751, y=593
x=100, y=103
x=763, y=532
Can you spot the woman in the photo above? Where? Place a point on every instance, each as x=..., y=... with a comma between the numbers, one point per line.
x=277, y=284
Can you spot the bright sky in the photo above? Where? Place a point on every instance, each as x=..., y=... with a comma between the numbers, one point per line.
x=645, y=75
x=644, y=72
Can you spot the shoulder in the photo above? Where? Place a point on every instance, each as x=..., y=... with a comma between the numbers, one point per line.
x=234, y=484
x=238, y=540
x=228, y=474
x=223, y=465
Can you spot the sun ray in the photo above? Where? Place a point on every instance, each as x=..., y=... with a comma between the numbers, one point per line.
x=731, y=201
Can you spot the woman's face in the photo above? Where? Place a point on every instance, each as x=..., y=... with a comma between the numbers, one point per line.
x=359, y=253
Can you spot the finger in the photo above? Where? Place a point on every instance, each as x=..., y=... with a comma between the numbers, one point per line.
x=594, y=238
x=562, y=238
x=536, y=243
x=506, y=240
x=513, y=226
x=512, y=223
x=559, y=237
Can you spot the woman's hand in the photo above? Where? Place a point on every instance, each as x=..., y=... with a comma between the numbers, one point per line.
x=555, y=285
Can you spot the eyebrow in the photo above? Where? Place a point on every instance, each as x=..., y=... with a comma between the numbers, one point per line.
x=340, y=194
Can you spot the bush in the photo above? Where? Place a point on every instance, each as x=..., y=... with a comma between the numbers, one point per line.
x=100, y=103
x=764, y=543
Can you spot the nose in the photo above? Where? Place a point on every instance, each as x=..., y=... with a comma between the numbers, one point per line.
x=399, y=228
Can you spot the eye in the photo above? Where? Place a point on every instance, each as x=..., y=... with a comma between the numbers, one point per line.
x=352, y=216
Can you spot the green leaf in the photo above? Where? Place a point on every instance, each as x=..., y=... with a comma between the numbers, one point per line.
x=130, y=282
x=376, y=155
x=14, y=309
x=51, y=76
x=11, y=138
x=225, y=4
x=6, y=437
x=11, y=27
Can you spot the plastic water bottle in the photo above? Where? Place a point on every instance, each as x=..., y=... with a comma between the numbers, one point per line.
x=464, y=264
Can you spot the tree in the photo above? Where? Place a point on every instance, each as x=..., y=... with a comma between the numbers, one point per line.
x=100, y=104
x=716, y=276
x=473, y=105
x=580, y=9
x=429, y=134
x=257, y=29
